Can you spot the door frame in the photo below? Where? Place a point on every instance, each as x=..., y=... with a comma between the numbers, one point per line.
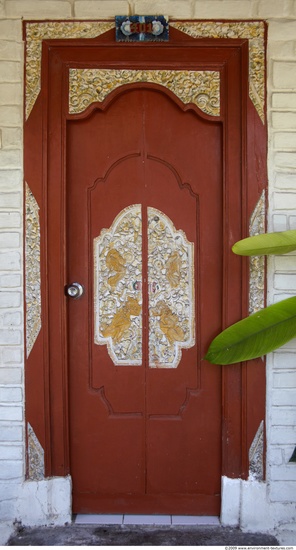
x=243, y=387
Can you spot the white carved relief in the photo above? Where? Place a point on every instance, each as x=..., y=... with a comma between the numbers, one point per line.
x=257, y=263
x=33, y=277
x=118, y=287
x=35, y=456
x=256, y=461
x=171, y=291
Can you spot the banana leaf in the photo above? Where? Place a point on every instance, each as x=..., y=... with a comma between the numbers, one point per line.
x=267, y=243
x=255, y=335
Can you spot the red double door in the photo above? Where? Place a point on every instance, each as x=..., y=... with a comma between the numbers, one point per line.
x=144, y=217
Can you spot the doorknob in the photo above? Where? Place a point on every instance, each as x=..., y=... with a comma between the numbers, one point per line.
x=74, y=290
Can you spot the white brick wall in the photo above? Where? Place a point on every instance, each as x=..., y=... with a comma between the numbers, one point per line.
x=281, y=367
x=11, y=313
x=281, y=87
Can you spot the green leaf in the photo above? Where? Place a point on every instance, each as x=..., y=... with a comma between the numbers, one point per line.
x=256, y=335
x=267, y=243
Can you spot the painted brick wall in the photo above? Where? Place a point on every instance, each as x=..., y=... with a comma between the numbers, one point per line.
x=281, y=368
x=11, y=277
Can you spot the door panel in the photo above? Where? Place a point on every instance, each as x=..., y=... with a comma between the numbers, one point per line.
x=145, y=432
x=119, y=191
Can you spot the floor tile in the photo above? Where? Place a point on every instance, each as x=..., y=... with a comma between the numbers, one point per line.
x=99, y=519
x=195, y=520
x=140, y=519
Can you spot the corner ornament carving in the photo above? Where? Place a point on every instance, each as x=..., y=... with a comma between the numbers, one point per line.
x=202, y=88
x=35, y=456
x=36, y=32
x=253, y=31
x=33, y=277
x=256, y=453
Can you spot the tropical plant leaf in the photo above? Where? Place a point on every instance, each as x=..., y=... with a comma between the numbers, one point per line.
x=267, y=243
x=255, y=335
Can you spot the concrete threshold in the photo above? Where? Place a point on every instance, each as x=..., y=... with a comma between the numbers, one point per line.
x=124, y=534
x=142, y=519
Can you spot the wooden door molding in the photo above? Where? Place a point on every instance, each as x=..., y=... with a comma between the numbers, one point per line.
x=244, y=156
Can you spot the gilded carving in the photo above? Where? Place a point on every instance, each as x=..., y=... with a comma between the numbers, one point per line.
x=35, y=456
x=257, y=263
x=251, y=30
x=118, y=295
x=121, y=321
x=173, y=268
x=36, y=32
x=171, y=291
x=115, y=262
x=33, y=278
x=202, y=88
x=168, y=323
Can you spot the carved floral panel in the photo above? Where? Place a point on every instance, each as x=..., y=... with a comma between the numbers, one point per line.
x=171, y=291
x=118, y=289
x=118, y=295
x=202, y=88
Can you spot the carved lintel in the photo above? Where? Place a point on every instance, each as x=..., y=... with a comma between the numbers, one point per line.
x=35, y=456
x=202, y=88
x=256, y=463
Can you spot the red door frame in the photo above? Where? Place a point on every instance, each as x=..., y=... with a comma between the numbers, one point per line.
x=243, y=386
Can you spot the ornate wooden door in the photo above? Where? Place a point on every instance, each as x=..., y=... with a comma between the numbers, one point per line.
x=144, y=215
x=147, y=163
